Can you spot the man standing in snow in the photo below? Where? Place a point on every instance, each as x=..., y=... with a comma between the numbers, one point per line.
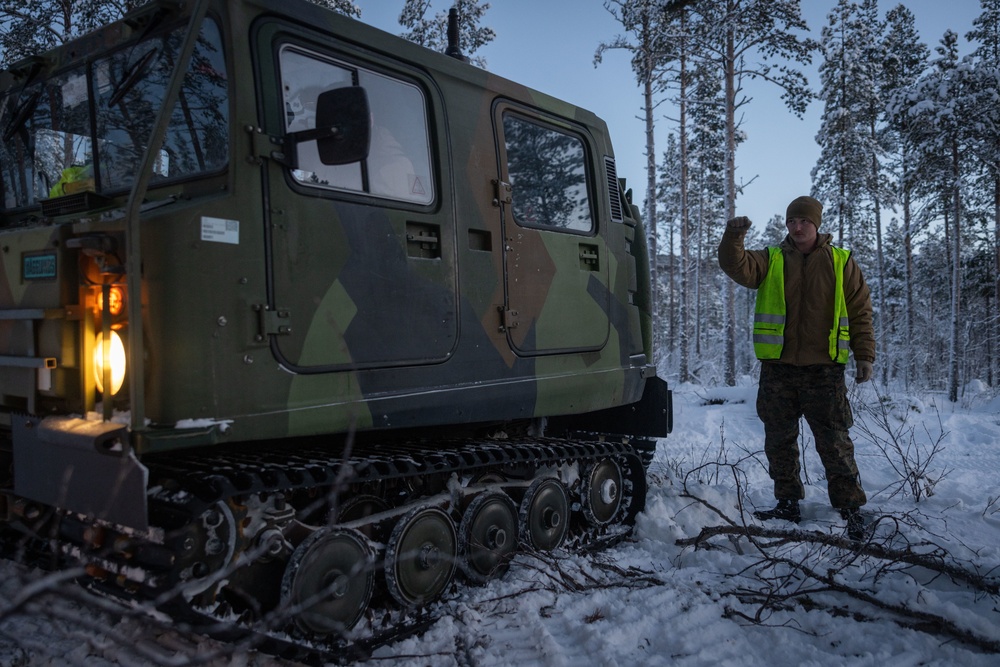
x=813, y=307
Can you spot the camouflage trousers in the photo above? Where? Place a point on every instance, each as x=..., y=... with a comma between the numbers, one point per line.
x=818, y=393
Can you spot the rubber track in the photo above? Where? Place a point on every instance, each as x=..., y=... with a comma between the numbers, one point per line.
x=206, y=479
x=182, y=487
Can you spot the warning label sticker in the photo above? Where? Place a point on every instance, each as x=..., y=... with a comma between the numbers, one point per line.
x=220, y=230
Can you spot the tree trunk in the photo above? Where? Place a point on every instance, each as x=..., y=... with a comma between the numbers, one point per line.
x=682, y=338
x=882, y=309
x=699, y=306
x=994, y=345
x=647, y=94
x=910, y=361
x=956, y=278
x=729, y=72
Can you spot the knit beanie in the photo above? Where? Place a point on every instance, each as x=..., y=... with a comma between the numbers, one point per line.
x=805, y=207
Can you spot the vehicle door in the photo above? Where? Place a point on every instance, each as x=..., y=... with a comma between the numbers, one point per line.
x=361, y=261
x=555, y=260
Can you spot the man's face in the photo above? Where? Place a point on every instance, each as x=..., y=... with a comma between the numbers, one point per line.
x=803, y=233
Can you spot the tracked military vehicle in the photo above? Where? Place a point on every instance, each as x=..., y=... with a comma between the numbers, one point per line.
x=302, y=325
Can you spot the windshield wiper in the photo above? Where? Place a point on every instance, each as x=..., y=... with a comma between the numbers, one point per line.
x=21, y=116
x=132, y=76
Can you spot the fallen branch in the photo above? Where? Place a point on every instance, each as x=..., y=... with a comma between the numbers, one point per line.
x=934, y=562
x=927, y=622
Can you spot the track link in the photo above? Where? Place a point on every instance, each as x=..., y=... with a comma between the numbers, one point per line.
x=315, y=556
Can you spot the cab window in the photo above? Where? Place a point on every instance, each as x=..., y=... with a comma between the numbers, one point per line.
x=86, y=129
x=128, y=88
x=548, y=174
x=398, y=165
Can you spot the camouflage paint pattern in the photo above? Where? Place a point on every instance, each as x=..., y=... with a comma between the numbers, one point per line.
x=326, y=316
x=787, y=393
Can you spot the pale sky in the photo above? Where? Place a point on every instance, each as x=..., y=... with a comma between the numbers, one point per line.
x=549, y=45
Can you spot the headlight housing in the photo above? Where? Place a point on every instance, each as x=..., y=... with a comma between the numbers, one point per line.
x=116, y=360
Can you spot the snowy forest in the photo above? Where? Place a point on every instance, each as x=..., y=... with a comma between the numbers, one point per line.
x=908, y=173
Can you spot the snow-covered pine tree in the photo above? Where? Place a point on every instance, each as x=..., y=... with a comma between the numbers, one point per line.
x=986, y=63
x=672, y=333
x=904, y=62
x=345, y=7
x=642, y=20
x=940, y=111
x=841, y=172
x=432, y=32
x=30, y=26
x=871, y=29
x=752, y=39
x=675, y=65
x=706, y=202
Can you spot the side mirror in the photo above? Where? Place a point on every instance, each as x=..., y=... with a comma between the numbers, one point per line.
x=343, y=126
x=346, y=109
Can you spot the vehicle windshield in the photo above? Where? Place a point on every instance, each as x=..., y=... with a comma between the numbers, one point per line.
x=88, y=128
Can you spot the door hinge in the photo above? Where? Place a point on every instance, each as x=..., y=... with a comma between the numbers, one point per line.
x=501, y=192
x=265, y=147
x=272, y=322
x=508, y=319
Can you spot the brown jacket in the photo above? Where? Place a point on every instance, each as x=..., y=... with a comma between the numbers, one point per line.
x=809, y=293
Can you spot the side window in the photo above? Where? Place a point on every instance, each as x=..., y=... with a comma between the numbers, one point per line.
x=86, y=129
x=128, y=88
x=399, y=162
x=49, y=135
x=547, y=169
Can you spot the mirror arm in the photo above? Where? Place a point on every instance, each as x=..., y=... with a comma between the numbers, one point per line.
x=314, y=134
x=289, y=156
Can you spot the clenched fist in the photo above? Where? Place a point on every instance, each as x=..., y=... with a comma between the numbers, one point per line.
x=739, y=223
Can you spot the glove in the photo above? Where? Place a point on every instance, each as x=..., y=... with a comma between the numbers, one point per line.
x=740, y=223
x=862, y=371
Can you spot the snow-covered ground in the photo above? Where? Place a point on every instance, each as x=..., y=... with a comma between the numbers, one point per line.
x=656, y=600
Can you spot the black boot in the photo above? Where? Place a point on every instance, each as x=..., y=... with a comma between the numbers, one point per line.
x=786, y=510
x=856, y=527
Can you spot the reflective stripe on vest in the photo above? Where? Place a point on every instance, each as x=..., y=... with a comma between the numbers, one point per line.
x=769, y=314
x=840, y=332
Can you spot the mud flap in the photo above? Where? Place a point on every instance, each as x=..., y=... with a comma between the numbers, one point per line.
x=80, y=466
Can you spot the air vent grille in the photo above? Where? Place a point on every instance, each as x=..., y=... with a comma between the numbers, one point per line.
x=614, y=191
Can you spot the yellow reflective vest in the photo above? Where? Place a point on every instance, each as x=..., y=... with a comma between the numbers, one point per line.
x=770, y=311
x=72, y=180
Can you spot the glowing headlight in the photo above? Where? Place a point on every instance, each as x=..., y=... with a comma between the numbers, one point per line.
x=116, y=358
